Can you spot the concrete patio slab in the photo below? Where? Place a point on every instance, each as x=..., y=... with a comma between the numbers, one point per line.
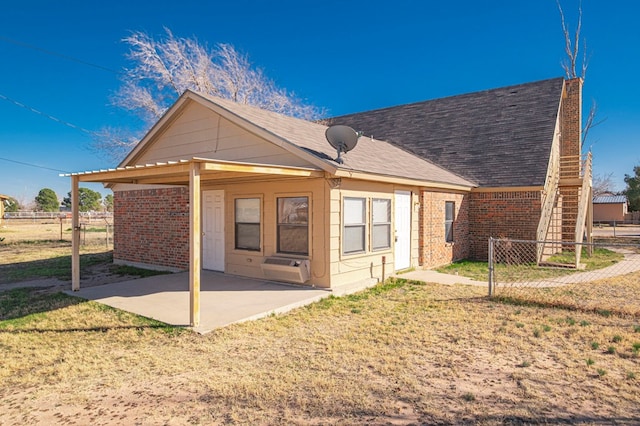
x=224, y=299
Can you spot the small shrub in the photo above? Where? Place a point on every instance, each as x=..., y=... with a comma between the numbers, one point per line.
x=601, y=372
x=518, y=312
x=631, y=375
x=536, y=333
x=524, y=364
x=611, y=350
x=519, y=325
x=617, y=338
x=636, y=348
x=546, y=327
x=595, y=345
x=469, y=397
x=604, y=313
x=584, y=323
x=570, y=321
x=636, y=328
x=590, y=362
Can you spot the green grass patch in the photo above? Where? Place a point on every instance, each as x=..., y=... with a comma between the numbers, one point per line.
x=29, y=309
x=600, y=258
x=55, y=267
x=473, y=269
x=136, y=272
x=21, y=306
x=478, y=270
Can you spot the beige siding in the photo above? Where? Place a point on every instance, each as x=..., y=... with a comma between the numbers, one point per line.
x=199, y=132
x=247, y=263
x=347, y=268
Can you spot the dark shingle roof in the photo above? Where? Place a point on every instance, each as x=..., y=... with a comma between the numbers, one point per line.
x=497, y=138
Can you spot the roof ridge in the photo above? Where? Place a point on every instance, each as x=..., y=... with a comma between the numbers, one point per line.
x=460, y=95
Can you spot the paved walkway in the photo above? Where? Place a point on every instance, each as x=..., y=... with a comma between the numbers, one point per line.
x=630, y=263
x=440, y=278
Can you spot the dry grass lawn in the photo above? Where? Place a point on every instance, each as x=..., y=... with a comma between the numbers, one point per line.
x=400, y=353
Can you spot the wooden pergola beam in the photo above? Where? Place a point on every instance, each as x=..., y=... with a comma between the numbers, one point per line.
x=178, y=172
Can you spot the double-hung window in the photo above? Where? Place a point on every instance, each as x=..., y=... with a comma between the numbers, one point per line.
x=381, y=223
x=293, y=225
x=354, y=225
x=247, y=223
x=449, y=213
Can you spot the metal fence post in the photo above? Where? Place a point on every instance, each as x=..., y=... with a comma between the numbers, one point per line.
x=490, y=280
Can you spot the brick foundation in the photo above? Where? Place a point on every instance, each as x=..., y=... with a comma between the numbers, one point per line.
x=151, y=226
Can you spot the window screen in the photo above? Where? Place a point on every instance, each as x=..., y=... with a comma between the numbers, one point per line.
x=381, y=219
x=449, y=212
x=353, y=237
x=247, y=223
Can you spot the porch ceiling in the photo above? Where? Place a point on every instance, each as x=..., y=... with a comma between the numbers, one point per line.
x=177, y=172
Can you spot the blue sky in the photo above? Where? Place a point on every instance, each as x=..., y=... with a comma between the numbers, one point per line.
x=344, y=56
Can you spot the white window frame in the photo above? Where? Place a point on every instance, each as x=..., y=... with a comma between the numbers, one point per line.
x=350, y=223
x=248, y=221
x=377, y=224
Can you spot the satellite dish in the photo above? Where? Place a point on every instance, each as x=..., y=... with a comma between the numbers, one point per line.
x=342, y=138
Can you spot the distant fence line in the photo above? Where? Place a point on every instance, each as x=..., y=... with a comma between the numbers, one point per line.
x=632, y=217
x=25, y=215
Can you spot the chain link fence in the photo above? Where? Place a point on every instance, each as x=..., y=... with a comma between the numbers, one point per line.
x=604, y=277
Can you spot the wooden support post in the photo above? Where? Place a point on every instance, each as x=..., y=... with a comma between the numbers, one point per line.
x=75, y=235
x=590, y=222
x=195, y=232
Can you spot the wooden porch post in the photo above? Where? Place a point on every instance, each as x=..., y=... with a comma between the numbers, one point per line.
x=195, y=233
x=75, y=235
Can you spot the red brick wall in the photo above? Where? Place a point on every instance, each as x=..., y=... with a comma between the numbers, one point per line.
x=433, y=249
x=151, y=226
x=511, y=214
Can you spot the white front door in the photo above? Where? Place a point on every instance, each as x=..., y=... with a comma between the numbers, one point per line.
x=402, y=247
x=213, y=230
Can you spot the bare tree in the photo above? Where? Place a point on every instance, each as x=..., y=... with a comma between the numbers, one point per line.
x=603, y=185
x=572, y=47
x=573, y=61
x=162, y=69
x=591, y=121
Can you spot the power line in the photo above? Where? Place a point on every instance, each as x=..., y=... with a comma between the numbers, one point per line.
x=50, y=117
x=57, y=120
x=33, y=165
x=60, y=55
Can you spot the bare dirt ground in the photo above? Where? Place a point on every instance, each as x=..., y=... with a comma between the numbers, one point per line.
x=411, y=354
x=52, y=238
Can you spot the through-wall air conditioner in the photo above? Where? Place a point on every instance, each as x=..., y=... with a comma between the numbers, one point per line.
x=286, y=269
